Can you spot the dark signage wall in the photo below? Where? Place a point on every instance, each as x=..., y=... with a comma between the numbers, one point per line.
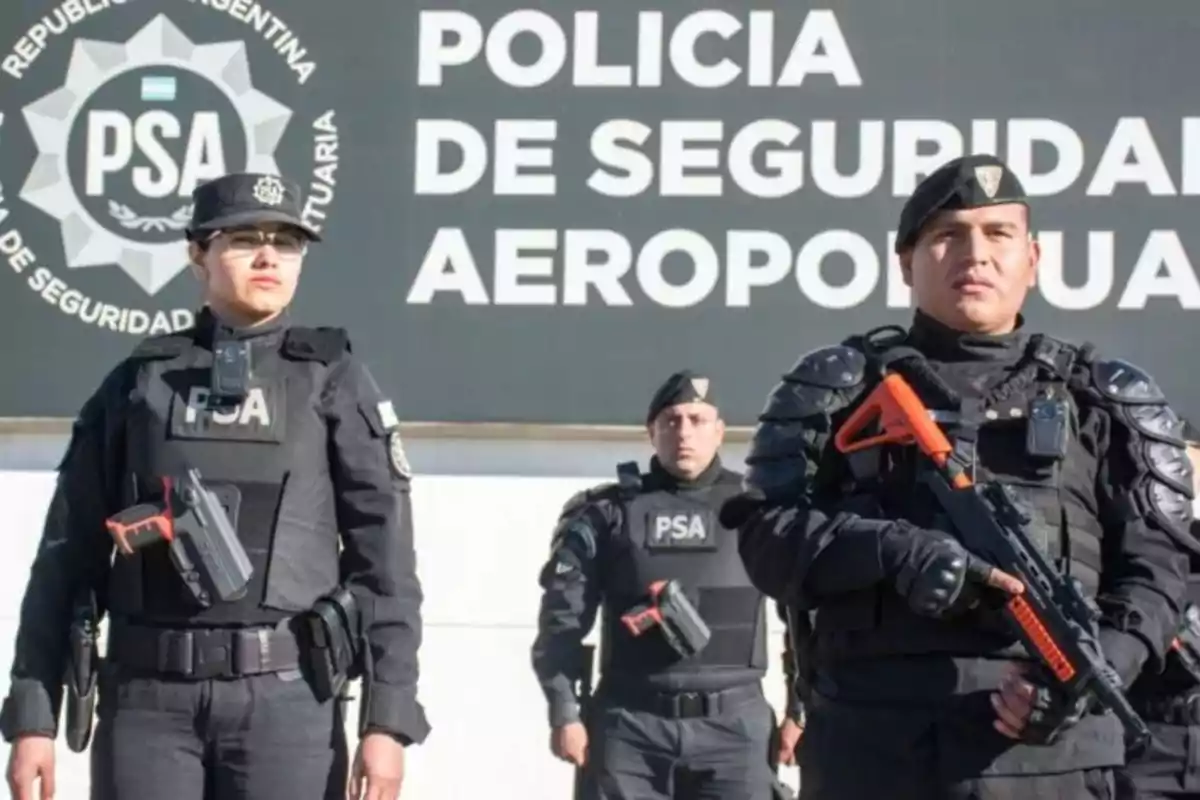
x=536, y=214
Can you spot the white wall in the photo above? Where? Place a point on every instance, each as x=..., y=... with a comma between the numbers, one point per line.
x=483, y=511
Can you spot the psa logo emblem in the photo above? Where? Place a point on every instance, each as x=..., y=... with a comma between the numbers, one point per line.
x=134, y=126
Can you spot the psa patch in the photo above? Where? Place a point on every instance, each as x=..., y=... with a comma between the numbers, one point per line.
x=681, y=530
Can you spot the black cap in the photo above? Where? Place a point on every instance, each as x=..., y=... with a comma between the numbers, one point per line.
x=246, y=199
x=682, y=387
x=969, y=182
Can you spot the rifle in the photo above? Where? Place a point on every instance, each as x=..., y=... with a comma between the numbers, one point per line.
x=1051, y=618
x=204, y=546
x=586, y=662
x=82, y=673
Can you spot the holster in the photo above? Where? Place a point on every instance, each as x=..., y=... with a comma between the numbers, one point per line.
x=330, y=634
x=82, y=674
x=587, y=657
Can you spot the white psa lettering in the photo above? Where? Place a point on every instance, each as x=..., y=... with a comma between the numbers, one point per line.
x=113, y=140
x=252, y=411
x=679, y=527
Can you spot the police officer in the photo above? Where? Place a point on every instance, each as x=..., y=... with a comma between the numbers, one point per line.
x=1170, y=700
x=208, y=686
x=670, y=719
x=920, y=690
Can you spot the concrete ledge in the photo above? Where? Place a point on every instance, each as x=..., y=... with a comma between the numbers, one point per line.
x=59, y=426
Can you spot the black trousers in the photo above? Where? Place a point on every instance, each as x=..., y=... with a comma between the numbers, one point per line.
x=854, y=752
x=636, y=755
x=263, y=737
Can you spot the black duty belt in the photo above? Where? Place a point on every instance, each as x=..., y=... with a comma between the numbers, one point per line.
x=203, y=653
x=680, y=705
x=1181, y=709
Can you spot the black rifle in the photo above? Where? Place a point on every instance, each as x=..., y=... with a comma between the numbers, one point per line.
x=1051, y=618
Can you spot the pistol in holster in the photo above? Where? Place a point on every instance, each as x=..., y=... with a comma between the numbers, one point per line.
x=202, y=542
x=331, y=636
x=82, y=673
x=669, y=610
x=1186, y=644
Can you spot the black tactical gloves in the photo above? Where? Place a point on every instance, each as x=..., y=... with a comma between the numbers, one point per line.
x=932, y=571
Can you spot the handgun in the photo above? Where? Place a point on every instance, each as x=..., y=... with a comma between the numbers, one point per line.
x=669, y=609
x=204, y=546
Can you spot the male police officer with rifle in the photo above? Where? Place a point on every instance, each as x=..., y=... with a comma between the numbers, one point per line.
x=679, y=711
x=200, y=504
x=1169, y=769
x=938, y=673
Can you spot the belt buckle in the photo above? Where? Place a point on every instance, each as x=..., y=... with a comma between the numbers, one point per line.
x=210, y=654
x=692, y=704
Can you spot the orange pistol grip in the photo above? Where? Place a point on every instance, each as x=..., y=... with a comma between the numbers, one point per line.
x=641, y=621
x=122, y=531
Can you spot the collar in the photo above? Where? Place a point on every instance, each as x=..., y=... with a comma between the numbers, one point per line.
x=661, y=478
x=210, y=328
x=940, y=342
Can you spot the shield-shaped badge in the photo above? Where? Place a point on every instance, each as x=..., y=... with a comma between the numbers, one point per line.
x=988, y=178
x=700, y=387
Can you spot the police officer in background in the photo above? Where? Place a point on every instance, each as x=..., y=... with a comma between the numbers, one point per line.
x=920, y=691
x=670, y=719
x=1170, y=700
x=208, y=687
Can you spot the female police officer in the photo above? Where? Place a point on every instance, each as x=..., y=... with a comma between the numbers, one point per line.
x=207, y=686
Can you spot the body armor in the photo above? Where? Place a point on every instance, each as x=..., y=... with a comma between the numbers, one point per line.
x=252, y=453
x=995, y=439
x=676, y=535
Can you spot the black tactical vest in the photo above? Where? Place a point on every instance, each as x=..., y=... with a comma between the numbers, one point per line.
x=676, y=534
x=990, y=439
x=265, y=458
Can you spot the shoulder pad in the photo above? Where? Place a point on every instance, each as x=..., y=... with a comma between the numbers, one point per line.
x=1123, y=382
x=576, y=502
x=167, y=345
x=316, y=344
x=1167, y=490
x=818, y=384
x=836, y=367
